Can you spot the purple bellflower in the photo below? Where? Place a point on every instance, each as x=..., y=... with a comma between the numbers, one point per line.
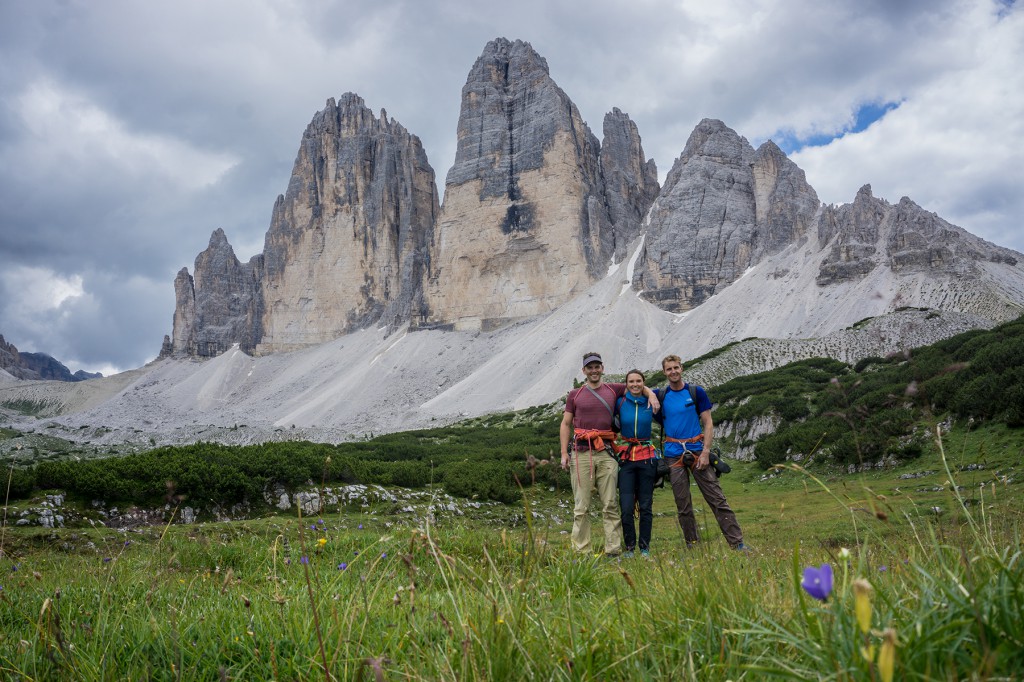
x=818, y=581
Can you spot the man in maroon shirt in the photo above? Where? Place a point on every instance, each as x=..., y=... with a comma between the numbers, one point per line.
x=587, y=429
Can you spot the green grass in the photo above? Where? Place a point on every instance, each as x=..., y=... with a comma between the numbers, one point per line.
x=459, y=599
x=38, y=408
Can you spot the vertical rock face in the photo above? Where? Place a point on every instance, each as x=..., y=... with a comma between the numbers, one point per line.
x=525, y=224
x=702, y=223
x=226, y=299
x=182, y=340
x=219, y=307
x=724, y=207
x=785, y=206
x=349, y=242
x=631, y=183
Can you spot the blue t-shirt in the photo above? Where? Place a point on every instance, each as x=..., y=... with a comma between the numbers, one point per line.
x=679, y=418
x=635, y=417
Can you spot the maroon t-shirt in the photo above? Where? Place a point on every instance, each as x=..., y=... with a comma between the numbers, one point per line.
x=588, y=412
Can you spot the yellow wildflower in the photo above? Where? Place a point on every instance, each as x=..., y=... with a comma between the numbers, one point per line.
x=887, y=655
x=862, y=603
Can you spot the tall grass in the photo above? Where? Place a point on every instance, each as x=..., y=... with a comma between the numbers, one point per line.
x=349, y=598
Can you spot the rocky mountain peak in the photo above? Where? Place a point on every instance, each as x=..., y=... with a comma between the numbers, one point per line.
x=535, y=211
x=528, y=221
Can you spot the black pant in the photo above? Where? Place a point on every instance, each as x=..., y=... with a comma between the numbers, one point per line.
x=636, y=487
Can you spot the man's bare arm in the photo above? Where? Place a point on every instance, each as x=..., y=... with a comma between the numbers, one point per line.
x=564, y=433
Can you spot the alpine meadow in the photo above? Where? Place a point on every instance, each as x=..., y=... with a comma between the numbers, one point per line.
x=888, y=548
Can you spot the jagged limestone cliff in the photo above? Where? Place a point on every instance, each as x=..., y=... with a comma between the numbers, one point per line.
x=348, y=242
x=536, y=210
x=347, y=245
x=723, y=208
x=526, y=223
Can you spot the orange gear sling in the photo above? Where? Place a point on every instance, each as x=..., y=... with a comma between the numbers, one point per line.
x=595, y=440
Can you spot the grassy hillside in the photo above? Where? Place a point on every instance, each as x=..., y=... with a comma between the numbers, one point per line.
x=375, y=594
x=921, y=529
x=883, y=410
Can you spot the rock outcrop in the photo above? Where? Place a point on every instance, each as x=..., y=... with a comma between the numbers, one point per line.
x=725, y=208
x=631, y=184
x=703, y=229
x=536, y=209
x=526, y=223
x=37, y=365
x=872, y=233
x=348, y=244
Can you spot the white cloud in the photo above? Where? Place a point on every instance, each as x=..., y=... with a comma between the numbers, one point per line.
x=35, y=289
x=953, y=144
x=130, y=131
x=66, y=127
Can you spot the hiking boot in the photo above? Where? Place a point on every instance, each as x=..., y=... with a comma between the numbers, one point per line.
x=743, y=548
x=645, y=554
x=628, y=554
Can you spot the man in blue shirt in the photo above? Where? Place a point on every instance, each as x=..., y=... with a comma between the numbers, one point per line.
x=689, y=432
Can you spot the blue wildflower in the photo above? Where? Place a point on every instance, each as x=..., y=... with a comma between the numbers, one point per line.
x=360, y=526
x=304, y=560
x=883, y=569
x=818, y=581
x=342, y=566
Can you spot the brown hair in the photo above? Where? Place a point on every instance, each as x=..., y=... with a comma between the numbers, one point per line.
x=669, y=358
x=635, y=371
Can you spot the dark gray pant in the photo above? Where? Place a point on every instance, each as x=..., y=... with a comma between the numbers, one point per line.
x=713, y=495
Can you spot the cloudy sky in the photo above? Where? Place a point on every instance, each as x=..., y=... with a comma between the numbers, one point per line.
x=130, y=130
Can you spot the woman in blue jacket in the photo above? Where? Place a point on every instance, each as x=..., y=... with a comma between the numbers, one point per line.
x=638, y=463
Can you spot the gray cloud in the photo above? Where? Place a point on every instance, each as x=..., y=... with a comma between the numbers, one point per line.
x=130, y=131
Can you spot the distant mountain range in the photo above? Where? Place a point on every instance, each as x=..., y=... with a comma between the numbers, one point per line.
x=374, y=306
x=37, y=365
x=536, y=208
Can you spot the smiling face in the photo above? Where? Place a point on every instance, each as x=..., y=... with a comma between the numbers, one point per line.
x=673, y=372
x=635, y=383
x=593, y=371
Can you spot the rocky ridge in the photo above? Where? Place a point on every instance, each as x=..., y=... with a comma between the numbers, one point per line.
x=37, y=366
x=535, y=209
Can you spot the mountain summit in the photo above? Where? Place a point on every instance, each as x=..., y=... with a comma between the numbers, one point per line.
x=536, y=209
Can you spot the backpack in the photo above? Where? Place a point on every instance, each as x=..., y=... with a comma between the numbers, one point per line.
x=693, y=396
x=719, y=465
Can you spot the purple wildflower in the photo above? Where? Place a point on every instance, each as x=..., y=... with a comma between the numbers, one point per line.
x=313, y=527
x=384, y=555
x=818, y=581
x=342, y=566
x=106, y=560
x=883, y=569
x=360, y=526
x=304, y=560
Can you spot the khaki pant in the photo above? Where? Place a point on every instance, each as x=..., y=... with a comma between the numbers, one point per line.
x=707, y=482
x=589, y=471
